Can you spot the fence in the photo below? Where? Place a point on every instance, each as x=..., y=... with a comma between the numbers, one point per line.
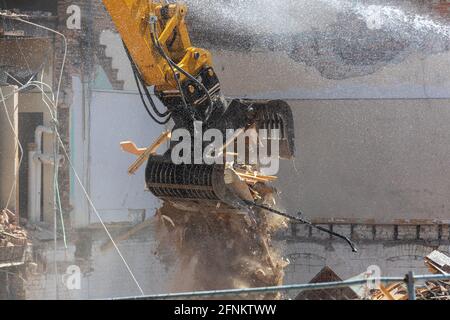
x=410, y=279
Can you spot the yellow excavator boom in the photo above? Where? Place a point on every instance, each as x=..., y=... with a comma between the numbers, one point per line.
x=133, y=20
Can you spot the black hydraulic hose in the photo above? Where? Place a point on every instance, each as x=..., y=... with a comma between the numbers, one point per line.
x=149, y=97
x=301, y=220
x=161, y=122
x=139, y=83
x=211, y=106
x=163, y=54
x=173, y=65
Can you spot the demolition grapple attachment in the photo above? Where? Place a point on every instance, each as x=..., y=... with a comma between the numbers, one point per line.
x=194, y=187
x=222, y=187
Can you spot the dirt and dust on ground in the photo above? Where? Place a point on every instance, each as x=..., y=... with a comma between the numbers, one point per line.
x=210, y=251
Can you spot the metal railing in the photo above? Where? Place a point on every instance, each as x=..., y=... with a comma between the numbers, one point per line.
x=409, y=279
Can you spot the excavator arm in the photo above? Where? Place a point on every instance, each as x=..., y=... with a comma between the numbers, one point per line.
x=157, y=42
x=134, y=19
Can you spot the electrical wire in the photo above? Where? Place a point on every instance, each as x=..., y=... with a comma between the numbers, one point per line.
x=22, y=151
x=91, y=203
x=63, y=63
x=61, y=216
x=17, y=147
x=55, y=117
x=24, y=87
x=17, y=41
x=94, y=208
x=98, y=214
x=55, y=181
x=44, y=94
x=68, y=157
x=55, y=142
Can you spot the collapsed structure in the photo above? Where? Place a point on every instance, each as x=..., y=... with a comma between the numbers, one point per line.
x=13, y=240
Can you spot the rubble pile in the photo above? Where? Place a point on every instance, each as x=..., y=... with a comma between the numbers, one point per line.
x=13, y=238
x=430, y=290
x=434, y=290
x=437, y=263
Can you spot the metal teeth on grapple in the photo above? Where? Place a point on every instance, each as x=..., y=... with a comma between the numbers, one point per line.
x=265, y=114
x=277, y=114
x=271, y=121
x=182, y=181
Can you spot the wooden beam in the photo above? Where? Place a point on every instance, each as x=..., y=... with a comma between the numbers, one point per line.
x=148, y=152
x=130, y=147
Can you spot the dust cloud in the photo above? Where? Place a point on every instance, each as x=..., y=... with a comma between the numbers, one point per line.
x=208, y=251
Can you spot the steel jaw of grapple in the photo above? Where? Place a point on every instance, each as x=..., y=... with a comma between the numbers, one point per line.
x=217, y=187
x=195, y=187
x=263, y=114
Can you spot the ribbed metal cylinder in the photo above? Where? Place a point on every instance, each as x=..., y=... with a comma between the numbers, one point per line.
x=183, y=181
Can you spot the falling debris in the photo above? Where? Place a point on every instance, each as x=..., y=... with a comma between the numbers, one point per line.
x=210, y=251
